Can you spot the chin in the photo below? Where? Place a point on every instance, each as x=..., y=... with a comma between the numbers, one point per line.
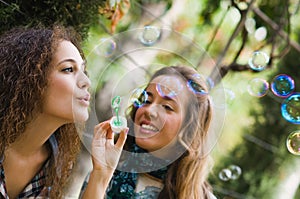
x=145, y=143
x=81, y=117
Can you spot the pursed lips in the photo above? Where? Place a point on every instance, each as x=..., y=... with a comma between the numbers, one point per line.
x=85, y=99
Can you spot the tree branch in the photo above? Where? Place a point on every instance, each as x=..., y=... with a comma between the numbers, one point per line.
x=275, y=27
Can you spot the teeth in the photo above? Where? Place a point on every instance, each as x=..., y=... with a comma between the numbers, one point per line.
x=149, y=127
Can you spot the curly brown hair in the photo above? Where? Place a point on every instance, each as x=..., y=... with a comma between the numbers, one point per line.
x=25, y=54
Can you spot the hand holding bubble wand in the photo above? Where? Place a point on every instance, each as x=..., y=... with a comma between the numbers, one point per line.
x=117, y=123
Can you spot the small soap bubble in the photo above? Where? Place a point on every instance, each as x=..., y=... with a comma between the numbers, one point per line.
x=236, y=171
x=106, y=48
x=150, y=35
x=293, y=142
x=225, y=174
x=290, y=108
x=258, y=61
x=138, y=97
x=229, y=95
x=195, y=87
x=282, y=85
x=210, y=82
x=258, y=87
x=169, y=87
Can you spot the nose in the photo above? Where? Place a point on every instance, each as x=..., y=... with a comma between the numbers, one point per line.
x=84, y=81
x=152, y=111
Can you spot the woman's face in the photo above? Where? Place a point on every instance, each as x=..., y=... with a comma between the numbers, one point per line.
x=67, y=97
x=157, y=122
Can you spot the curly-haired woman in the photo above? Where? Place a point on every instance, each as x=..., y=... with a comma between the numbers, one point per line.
x=44, y=92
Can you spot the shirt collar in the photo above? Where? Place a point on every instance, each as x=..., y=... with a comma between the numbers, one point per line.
x=54, y=147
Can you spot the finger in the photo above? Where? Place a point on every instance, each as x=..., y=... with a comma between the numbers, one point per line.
x=109, y=134
x=122, y=138
x=101, y=130
x=110, y=137
x=98, y=127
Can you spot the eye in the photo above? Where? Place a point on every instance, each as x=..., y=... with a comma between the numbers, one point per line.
x=147, y=102
x=168, y=107
x=68, y=69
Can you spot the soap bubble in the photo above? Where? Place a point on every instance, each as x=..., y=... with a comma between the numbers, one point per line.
x=150, y=35
x=195, y=87
x=258, y=61
x=210, y=83
x=169, y=87
x=290, y=108
x=258, y=87
x=225, y=174
x=229, y=95
x=143, y=56
x=138, y=97
x=293, y=142
x=282, y=85
x=236, y=171
x=106, y=48
x=232, y=172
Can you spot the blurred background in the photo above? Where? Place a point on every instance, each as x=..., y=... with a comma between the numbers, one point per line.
x=251, y=48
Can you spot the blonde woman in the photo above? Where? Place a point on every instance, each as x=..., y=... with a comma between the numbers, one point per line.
x=166, y=152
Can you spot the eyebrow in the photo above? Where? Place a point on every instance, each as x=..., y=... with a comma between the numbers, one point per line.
x=73, y=61
x=164, y=97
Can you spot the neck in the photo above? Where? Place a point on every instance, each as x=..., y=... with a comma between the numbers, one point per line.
x=35, y=136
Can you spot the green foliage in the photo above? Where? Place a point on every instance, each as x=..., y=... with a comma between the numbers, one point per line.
x=210, y=7
x=77, y=13
x=262, y=153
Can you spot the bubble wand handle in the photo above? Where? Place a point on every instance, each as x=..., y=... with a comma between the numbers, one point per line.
x=117, y=123
x=115, y=103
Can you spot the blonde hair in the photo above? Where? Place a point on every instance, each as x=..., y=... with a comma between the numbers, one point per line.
x=187, y=176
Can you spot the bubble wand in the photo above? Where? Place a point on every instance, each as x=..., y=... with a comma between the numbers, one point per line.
x=117, y=123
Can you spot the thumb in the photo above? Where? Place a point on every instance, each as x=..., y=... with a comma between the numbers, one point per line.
x=122, y=138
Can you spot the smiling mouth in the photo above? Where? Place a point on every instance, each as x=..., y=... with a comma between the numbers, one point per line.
x=146, y=128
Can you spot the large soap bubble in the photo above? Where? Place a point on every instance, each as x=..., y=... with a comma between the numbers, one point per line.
x=282, y=85
x=258, y=87
x=150, y=35
x=125, y=70
x=258, y=61
x=290, y=108
x=293, y=142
